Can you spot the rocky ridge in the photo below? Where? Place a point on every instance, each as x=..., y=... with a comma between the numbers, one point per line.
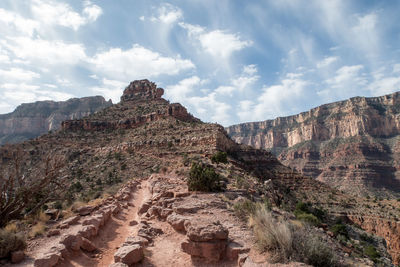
x=102, y=151
x=351, y=145
x=34, y=119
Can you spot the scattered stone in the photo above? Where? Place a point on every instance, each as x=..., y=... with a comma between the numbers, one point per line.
x=17, y=256
x=63, y=226
x=88, y=231
x=129, y=254
x=53, y=213
x=133, y=223
x=234, y=249
x=118, y=264
x=53, y=232
x=132, y=240
x=60, y=248
x=87, y=245
x=47, y=260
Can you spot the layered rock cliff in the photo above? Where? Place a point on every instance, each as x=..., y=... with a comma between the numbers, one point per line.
x=351, y=145
x=33, y=119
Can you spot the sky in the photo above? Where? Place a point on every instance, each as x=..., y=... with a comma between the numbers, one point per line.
x=227, y=61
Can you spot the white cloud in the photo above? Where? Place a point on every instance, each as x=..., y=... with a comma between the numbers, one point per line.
x=14, y=22
x=92, y=11
x=169, y=14
x=326, y=62
x=110, y=89
x=348, y=75
x=179, y=92
x=18, y=74
x=218, y=43
x=277, y=99
x=396, y=68
x=136, y=63
x=17, y=93
x=49, y=52
x=385, y=85
x=51, y=12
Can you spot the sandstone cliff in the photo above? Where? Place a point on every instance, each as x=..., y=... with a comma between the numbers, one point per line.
x=351, y=145
x=33, y=119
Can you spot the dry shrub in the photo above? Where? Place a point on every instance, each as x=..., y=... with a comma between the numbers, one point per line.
x=10, y=242
x=289, y=242
x=11, y=227
x=37, y=230
x=272, y=234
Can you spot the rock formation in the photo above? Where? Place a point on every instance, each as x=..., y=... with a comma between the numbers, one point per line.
x=351, y=145
x=34, y=119
x=148, y=143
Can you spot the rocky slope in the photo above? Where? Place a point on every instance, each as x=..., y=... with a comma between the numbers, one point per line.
x=351, y=145
x=145, y=138
x=33, y=119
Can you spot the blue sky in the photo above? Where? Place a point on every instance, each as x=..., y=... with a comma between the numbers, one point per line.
x=226, y=61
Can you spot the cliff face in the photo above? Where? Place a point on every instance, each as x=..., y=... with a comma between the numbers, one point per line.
x=33, y=119
x=351, y=145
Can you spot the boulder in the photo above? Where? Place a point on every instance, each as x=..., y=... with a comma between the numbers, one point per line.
x=95, y=221
x=47, y=260
x=17, y=256
x=145, y=206
x=70, y=241
x=60, y=248
x=234, y=249
x=201, y=231
x=212, y=251
x=87, y=245
x=129, y=254
x=133, y=223
x=71, y=220
x=85, y=210
x=165, y=212
x=52, y=213
x=87, y=231
x=177, y=221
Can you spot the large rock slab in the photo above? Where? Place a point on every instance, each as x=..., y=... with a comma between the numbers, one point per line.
x=129, y=254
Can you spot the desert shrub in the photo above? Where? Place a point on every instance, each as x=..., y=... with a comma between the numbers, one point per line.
x=272, y=235
x=309, y=218
x=244, y=209
x=289, y=242
x=203, y=178
x=10, y=242
x=38, y=229
x=312, y=250
x=219, y=157
x=340, y=229
x=371, y=252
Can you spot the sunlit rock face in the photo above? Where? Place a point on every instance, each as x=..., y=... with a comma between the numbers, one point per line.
x=141, y=90
x=351, y=145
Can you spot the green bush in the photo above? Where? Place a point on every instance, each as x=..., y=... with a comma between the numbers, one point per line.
x=10, y=242
x=203, y=178
x=219, y=157
x=371, y=252
x=340, y=229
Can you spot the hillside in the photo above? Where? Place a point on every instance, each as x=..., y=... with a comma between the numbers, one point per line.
x=351, y=145
x=33, y=119
x=151, y=149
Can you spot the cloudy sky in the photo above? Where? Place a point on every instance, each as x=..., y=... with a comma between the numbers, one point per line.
x=226, y=61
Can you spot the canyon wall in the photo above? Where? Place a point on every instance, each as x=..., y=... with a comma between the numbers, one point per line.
x=351, y=145
x=34, y=119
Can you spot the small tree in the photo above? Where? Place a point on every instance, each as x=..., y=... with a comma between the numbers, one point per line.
x=203, y=178
x=219, y=157
x=21, y=192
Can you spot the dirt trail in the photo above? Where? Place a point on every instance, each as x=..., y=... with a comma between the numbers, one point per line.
x=111, y=235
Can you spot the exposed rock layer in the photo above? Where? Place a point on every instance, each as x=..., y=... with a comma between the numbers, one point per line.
x=33, y=119
x=351, y=145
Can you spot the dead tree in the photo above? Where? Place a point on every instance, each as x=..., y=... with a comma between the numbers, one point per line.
x=20, y=189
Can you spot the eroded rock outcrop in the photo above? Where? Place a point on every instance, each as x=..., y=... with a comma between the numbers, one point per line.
x=33, y=119
x=350, y=145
